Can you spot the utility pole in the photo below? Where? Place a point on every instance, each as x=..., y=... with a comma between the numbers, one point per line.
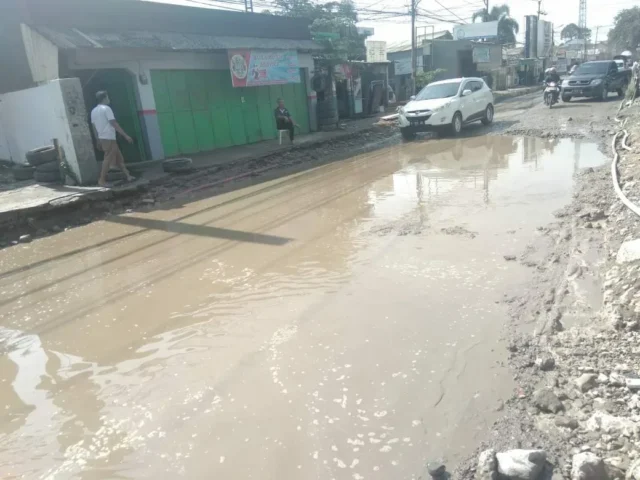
x=540, y=12
x=414, y=4
x=248, y=6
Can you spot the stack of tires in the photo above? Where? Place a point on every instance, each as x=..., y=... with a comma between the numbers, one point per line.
x=46, y=163
x=327, y=112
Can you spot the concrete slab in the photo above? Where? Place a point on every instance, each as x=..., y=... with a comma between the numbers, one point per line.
x=629, y=252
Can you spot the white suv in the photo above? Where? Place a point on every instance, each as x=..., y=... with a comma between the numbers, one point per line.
x=449, y=103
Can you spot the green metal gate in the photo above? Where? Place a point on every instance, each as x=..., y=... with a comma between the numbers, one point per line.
x=199, y=110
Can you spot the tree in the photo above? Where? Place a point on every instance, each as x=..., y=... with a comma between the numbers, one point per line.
x=625, y=34
x=507, y=26
x=425, y=78
x=334, y=17
x=572, y=31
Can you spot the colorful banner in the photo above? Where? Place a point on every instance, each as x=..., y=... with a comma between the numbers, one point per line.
x=252, y=68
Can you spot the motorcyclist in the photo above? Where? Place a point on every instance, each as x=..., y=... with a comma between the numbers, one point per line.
x=552, y=76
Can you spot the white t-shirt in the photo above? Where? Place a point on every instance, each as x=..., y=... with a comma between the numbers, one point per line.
x=100, y=117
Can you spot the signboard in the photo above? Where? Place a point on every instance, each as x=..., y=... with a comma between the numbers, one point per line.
x=252, y=68
x=545, y=38
x=531, y=36
x=561, y=65
x=475, y=31
x=326, y=35
x=481, y=54
x=376, y=51
x=367, y=31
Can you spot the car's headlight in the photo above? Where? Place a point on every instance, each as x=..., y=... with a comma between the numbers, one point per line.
x=401, y=110
x=565, y=82
x=596, y=81
x=441, y=107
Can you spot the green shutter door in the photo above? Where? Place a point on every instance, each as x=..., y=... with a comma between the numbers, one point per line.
x=199, y=110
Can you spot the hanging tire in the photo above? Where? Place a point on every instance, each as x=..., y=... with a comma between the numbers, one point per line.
x=456, y=124
x=48, y=177
x=41, y=155
x=488, y=115
x=21, y=173
x=48, y=167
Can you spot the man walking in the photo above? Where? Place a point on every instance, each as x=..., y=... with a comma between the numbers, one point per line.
x=284, y=120
x=105, y=127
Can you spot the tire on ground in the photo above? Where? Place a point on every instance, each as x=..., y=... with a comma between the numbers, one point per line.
x=486, y=120
x=115, y=176
x=48, y=167
x=41, y=155
x=176, y=165
x=48, y=177
x=21, y=173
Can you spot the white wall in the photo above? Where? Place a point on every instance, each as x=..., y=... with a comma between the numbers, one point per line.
x=42, y=55
x=32, y=118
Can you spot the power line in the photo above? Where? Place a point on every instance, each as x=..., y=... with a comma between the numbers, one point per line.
x=463, y=21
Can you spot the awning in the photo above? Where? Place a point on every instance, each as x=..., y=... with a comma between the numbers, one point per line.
x=73, y=38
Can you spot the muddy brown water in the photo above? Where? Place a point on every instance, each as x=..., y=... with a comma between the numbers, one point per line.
x=340, y=323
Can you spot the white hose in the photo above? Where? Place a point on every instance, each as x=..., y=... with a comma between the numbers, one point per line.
x=614, y=173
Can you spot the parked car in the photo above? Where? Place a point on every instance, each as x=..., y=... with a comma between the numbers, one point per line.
x=447, y=104
x=596, y=80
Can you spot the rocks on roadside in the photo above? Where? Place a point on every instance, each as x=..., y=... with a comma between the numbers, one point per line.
x=521, y=464
x=633, y=472
x=545, y=362
x=587, y=466
x=26, y=238
x=487, y=468
x=566, y=422
x=437, y=470
x=547, y=401
x=586, y=381
x=509, y=258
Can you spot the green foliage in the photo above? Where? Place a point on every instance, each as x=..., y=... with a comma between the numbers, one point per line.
x=625, y=35
x=330, y=17
x=507, y=26
x=425, y=78
x=571, y=31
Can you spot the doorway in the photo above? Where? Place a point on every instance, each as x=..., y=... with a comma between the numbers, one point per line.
x=119, y=84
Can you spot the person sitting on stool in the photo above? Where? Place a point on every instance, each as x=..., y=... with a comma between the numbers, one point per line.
x=284, y=120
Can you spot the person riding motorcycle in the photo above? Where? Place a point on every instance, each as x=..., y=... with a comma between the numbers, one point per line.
x=552, y=76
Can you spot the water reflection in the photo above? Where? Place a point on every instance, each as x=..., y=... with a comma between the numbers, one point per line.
x=149, y=352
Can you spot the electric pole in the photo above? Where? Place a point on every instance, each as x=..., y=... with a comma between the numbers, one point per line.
x=414, y=4
x=248, y=6
x=540, y=12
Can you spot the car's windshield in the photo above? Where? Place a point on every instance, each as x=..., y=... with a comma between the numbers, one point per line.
x=440, y=90
x=592, y=68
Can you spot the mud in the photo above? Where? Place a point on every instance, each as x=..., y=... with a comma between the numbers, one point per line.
x=339, y=322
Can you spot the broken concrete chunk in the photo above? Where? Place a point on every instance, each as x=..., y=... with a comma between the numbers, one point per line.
x=521, y=464
x=545, y=362
x=547, y=401
x=629, y=251
x=586, y=381
x=487, y=468
x=587, y=466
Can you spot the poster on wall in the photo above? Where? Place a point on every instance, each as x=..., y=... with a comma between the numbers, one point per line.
x=481, y=54
x=253, y=68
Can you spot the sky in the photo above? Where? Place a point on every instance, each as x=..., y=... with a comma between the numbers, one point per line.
x=600, y=14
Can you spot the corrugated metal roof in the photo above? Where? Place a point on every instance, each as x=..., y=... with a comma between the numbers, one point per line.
x=71, y=38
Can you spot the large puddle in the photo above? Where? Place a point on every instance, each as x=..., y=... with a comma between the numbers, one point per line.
x=343, y=322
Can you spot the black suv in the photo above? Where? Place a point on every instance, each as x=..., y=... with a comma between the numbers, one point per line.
x=595, y=79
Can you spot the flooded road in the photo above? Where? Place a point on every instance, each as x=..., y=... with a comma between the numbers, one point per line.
x=339, y=323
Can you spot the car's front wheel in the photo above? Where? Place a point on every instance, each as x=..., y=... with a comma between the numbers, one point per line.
x=407, y=134
x=456, y=124
x=488, y=115
x=566, y=98
x=605, y=93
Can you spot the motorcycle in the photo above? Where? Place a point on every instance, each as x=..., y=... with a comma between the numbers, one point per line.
x=551, y=93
